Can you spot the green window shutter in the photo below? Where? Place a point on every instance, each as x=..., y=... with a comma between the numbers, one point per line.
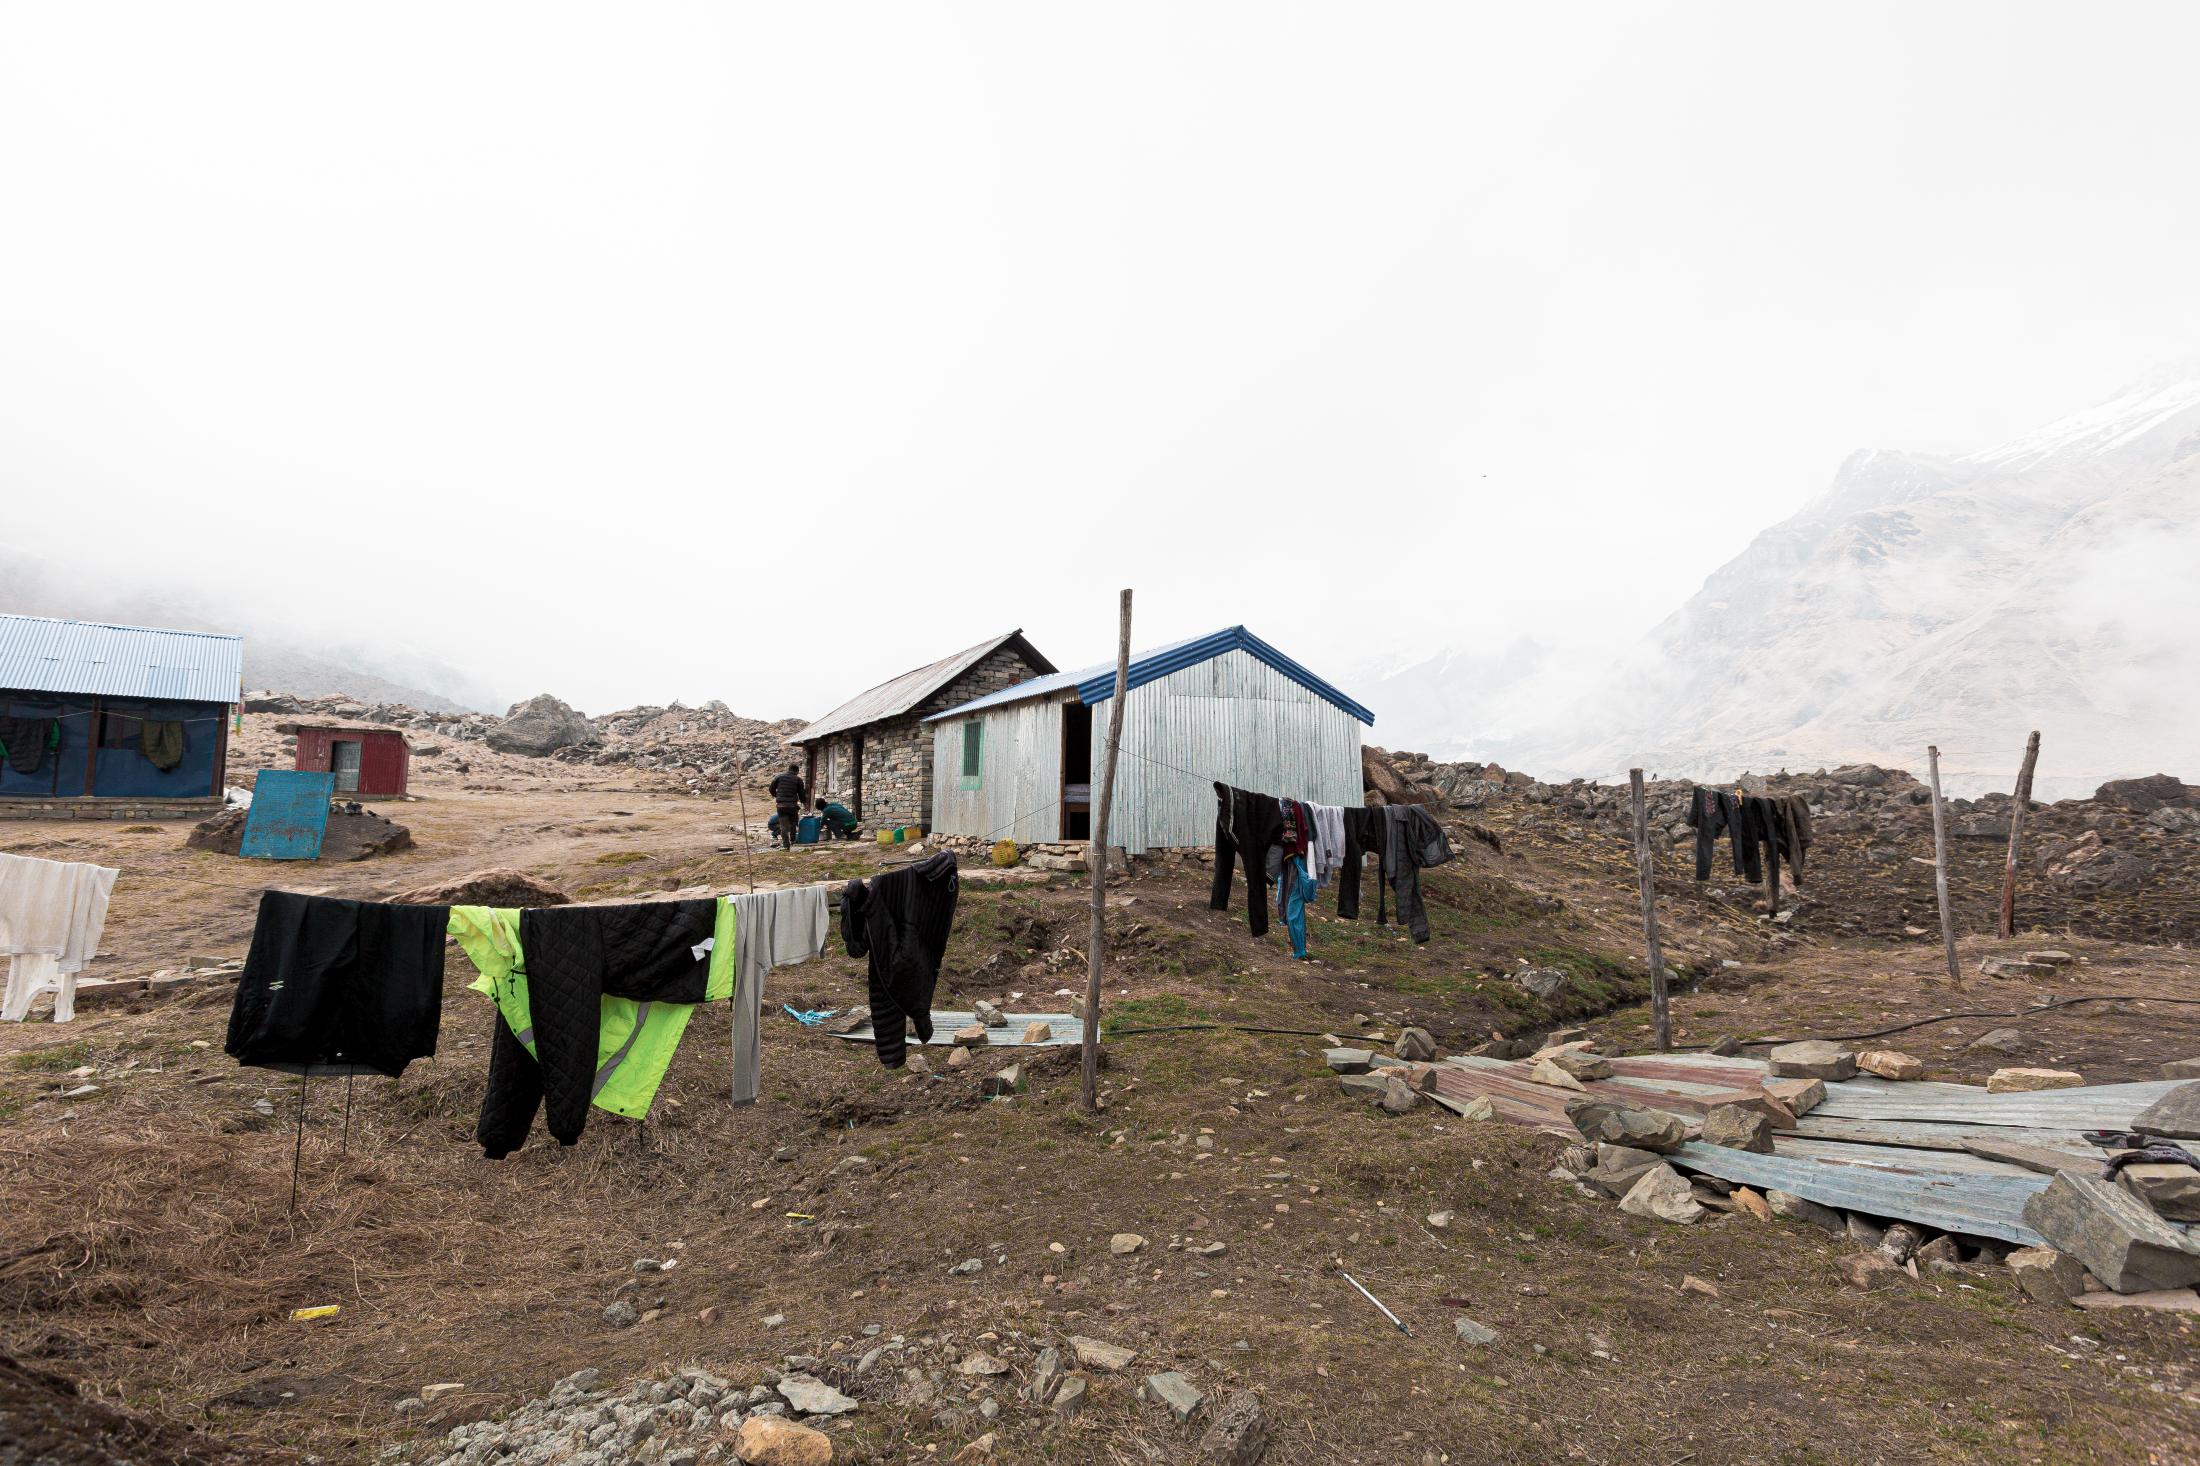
x=973, y=753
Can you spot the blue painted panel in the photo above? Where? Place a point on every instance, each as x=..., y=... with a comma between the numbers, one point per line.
x=61, y=772
x=127, y=772
x=289, y=815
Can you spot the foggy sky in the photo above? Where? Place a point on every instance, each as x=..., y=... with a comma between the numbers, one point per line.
x=762, y=352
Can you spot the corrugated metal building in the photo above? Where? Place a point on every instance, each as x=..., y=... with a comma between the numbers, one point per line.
x=126, y=720
x=369, y=763
x=1022, y=763
x=873, y=753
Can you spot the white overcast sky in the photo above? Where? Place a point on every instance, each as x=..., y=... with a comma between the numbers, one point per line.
x=764, y=351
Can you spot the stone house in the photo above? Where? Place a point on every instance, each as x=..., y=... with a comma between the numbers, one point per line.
x=873, y=752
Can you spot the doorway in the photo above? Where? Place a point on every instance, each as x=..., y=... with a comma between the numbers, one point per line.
x=343, y=761
x=1076, y=771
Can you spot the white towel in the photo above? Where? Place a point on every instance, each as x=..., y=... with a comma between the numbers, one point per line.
x=770, y=929
x=52, y=915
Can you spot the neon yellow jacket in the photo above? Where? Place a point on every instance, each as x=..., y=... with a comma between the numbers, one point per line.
x=635, y=1041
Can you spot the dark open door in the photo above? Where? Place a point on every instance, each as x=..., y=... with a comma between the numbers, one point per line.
x=1076, y=771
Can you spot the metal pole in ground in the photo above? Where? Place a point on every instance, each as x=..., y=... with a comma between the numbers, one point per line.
x=1661, y=1020
x=298, y=1151
x=748, y=856
x=1940, y=867
x=2016, y=831
x=1089, y=1093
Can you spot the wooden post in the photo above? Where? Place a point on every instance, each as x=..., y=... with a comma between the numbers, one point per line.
x=1940, y=868
x=2016, y=829
x=1089, y=1096
x=1661, y=1021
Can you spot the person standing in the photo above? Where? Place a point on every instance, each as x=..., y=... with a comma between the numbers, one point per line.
x=788, y=793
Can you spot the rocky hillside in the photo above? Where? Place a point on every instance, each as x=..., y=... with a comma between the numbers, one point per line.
x=706, y=749
x=2124, y=860
x=1959, y=601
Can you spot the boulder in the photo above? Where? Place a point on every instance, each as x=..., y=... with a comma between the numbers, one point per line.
x=988, y=1015
x=1890, y=1064
x=1582, y=1066
x=2049, y=959
x=1800, y=1209
x=1549, y=1071
x=541, y=726
x=1472, y=1333
x=1099, y=1354
x=1899, y=1243
x=1663, y=1193
x=2144, y=796
x=2048, y=1276
x=1398, y=1097
x=806, y=1394
x=1416, y=1046
x=971, y=1037
x=1998, y=1041
x=1737, y=1129
x=2182, y=1069
x=1348, y=1060
x=1812, y=1059
x=1005, y=1081
x=1622, y=1124
x=1122, y=1244
x=1618, y=1168
x=1238, y=1435
x=1798, y=1096
x=2023, y=1081
x=1037, y=1033
x=2012, y=967
x=1868, y=1270
x=1751, y=1202
x=2113, y=1233
x=1183, y=1399
x=2175, y=1114
x=2172, y=1190
x=771, y=1440
x=1545, y=983
x=1941, y=1255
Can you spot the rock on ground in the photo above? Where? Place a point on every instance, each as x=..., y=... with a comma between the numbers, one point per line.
x=1812, y=1059
x=1801, y=1209
x=360, y=836
x=767, y=1440
x=2023, y=1081
x=1663, y=1193
x=2111, y=1231
x=541, y=726
x=2171, y=1190
x=1738, y=1129
x=2048, y=1276
x=498, y=887
x=1238, y=1435
x=1890, y=1064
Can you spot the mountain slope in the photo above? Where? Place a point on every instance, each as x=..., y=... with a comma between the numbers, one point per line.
x=2049, y=583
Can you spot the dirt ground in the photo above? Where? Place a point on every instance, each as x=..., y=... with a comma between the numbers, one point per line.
x=153, y=1259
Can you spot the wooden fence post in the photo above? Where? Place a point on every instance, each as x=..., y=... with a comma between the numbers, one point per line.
x=1940, y=868
x=1089, y=1094
x=2016, y=830
x=1661, y=1021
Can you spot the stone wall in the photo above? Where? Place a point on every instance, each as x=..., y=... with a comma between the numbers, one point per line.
x=897, y=753
x=120, y=808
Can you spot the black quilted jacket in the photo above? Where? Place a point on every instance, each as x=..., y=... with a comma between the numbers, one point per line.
x=339, y=986
x=575, y=956
x=901, y=921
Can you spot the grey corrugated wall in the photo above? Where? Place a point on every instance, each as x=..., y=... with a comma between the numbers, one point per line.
x=1236, y=719
x=1019, y=796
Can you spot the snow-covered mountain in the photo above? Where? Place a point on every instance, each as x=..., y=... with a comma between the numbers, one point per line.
x=2052, y=583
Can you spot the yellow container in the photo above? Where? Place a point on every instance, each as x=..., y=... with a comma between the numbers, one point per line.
x=308, y=1315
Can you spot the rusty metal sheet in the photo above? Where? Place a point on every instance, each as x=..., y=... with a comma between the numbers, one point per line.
x=1897, y=1158
x=1970, y=1204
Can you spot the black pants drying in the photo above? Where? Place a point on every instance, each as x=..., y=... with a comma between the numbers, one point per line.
x=339, y=987
x=1246, y=824
x=576, y=956
x=901, y=922
x=1365, y=834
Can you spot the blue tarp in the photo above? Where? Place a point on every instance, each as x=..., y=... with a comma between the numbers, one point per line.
x=289, y=815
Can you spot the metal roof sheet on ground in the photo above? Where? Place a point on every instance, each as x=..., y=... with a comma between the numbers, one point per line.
x=1096, y=684
x=40, y=654
x=2088, y=1107
x=1068, y=1029
x=1963, y=1202
x=1936, y=1134
x=892, y=698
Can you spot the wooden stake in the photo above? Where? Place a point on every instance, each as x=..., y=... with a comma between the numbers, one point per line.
x=1940, y=868
x=2016, y=830
x=1089, y=1096
x=1661, y=1020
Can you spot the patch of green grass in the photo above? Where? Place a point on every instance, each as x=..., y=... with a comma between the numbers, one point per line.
x=1159, y=1010
x=620, y=857
x=58, y=1059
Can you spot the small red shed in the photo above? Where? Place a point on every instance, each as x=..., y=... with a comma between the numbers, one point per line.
x=369, y=763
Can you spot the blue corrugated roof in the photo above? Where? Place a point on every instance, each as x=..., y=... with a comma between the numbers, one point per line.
x=1096, y=684
x=39, y=654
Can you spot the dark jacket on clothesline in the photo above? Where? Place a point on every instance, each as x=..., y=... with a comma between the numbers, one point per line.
x=25, y=741
x=1366, y=833
x=1413, y=842
x=339, y=987
x=1246, y=824
x=576, y=956
x=901, y=921
x=1711, y=813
